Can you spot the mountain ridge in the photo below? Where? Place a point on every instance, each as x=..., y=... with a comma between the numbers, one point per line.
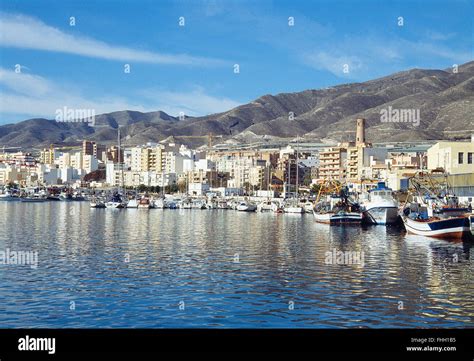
x=445, y=100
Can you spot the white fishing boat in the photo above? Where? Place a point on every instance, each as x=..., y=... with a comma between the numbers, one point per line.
x=245, y=206
x=380, y=206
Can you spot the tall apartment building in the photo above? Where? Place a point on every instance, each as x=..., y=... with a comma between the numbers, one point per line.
x=332, y=163
x=47, y=156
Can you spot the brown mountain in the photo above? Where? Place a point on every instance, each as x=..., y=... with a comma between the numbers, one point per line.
x=445, y=100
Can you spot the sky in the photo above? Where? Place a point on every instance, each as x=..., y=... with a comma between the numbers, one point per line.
x=200, y=57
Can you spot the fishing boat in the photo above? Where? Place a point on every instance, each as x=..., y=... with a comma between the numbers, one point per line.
x=338, y=207
x=245, y=206
x=432, y=210
x=455, y=228
x=380, y=206
x=339, y=217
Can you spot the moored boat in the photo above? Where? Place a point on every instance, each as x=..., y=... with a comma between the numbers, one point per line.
x=116, y=202
x=245, y=206
x=381, y=207
x=445, y=228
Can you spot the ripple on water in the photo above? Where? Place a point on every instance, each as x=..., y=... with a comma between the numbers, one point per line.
x=156, y=268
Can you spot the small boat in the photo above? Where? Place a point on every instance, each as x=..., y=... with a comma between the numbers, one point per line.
x=53, y=197
x=185, y=204
x=198, y=204
x=144, y=203
x=7, y=196
x=293, y=207
x=266, y=206
x=65, y=196
x=222, y=204
x=308, y=206
x=76, y=196
x=244, y=206
x=159, y=203
x=132, y=203
x=34, y=198
x=116, y=202
x=97, y=203
x=381, y=207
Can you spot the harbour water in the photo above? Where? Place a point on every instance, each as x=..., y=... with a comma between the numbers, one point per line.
x=223, y=268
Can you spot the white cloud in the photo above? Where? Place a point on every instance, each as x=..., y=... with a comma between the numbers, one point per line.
x=333, y=62
x=36, y=96
x=25, y=32
x=194, y=102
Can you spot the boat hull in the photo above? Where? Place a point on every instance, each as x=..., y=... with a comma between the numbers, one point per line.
x=449, y=228
x=299, y=210
x=382, y=215
x=338, y=218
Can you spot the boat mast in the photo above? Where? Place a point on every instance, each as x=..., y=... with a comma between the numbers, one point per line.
x=297, y=155
x=119, y=158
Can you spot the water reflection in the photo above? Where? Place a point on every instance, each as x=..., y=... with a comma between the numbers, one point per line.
x=132, y=268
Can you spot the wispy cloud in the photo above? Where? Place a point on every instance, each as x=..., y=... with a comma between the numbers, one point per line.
x=369, y=55
x=36, y=96
x=193, y=102
x=20, y=31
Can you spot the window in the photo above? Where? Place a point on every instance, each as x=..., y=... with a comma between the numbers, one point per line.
x=460, y=158
x=469, y=158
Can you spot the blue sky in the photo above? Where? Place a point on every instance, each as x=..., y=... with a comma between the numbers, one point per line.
x=190, y=68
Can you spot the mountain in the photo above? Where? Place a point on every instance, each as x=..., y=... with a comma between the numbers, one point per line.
x=445, y=100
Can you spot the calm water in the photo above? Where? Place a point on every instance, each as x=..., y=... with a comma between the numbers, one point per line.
x=188, y=258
